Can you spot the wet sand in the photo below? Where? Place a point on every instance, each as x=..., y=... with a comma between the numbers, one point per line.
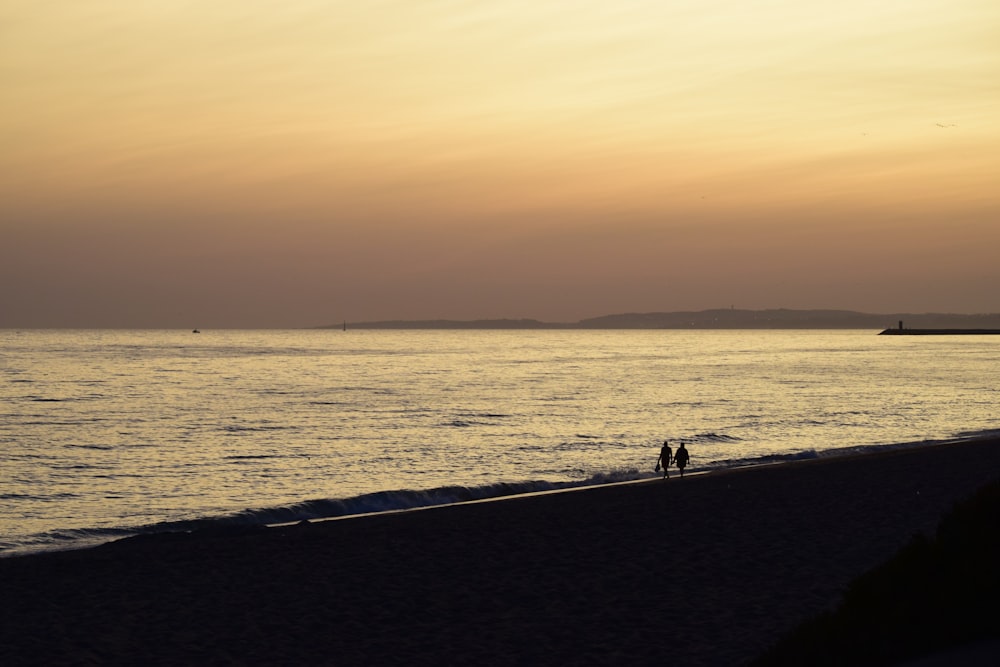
x=705, y=570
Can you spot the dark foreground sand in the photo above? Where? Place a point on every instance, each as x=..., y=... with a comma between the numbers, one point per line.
x=708, y=570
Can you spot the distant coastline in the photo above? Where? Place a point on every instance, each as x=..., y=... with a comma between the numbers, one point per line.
x=722, y=318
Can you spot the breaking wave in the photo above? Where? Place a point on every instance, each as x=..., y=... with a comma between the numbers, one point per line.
x=400, y=500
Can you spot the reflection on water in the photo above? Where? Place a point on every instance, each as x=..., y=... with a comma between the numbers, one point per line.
x=122, y=428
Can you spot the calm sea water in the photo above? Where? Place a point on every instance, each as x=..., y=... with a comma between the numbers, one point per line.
x=110, y=433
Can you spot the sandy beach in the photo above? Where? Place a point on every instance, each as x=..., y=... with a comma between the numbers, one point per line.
x=706, y=570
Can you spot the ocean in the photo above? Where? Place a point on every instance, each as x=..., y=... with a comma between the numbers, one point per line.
x=111, y=433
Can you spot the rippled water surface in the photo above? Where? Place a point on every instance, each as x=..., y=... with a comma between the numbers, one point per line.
x=117, y=430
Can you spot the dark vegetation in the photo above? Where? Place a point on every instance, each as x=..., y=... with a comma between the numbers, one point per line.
x=935, y=594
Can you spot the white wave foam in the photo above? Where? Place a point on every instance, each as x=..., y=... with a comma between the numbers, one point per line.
x=403, y=499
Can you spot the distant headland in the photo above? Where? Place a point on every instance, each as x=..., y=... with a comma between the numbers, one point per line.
x=722, y=318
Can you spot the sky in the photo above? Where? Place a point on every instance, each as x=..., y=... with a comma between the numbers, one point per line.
x=277, y=163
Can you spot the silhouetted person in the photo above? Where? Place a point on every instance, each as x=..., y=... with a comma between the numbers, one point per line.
x=681, y=458
x=665, y=459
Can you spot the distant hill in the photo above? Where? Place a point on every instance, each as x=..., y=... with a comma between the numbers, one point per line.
x=714, y=319
x=454, y=324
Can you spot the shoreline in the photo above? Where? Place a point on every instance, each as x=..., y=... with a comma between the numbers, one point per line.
x=694, y=472
x=318, y=510
x=706, y=570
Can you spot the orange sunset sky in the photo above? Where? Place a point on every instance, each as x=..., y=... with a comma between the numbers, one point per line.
x=287, y=163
